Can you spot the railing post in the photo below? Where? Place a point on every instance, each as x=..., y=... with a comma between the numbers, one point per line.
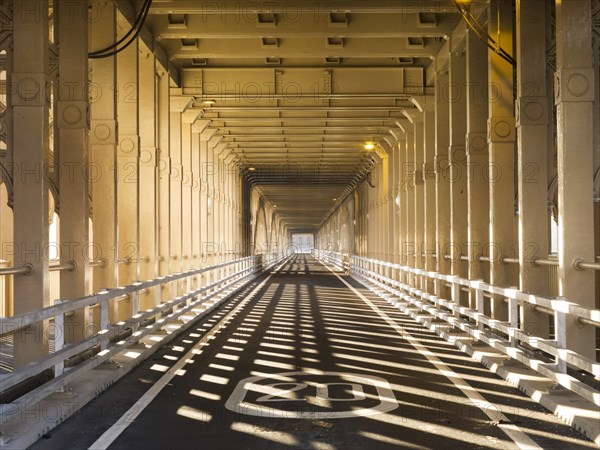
x=59, y=338
x=479, y=303
x=104, y=320
x=135, y=303
x=560, y=331
x=173, y=285
x=455, y=293
x=513, y=317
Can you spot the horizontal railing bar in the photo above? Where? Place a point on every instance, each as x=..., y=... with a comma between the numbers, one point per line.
x=544, y=310
x=586, y=265
x=544, y=262
x=59, y=267
x=14, y=323
x=557, y=304
x=572, y=358
x=25, y=270
x=99, y=263
x=13, y=378
x=584, y=321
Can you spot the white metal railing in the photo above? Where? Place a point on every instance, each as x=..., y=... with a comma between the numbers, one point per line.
x=506, y=336
x=337, y=259
x=113, y=338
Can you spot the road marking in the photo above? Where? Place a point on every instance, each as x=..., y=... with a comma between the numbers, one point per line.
x=110, y=435
x=522, y=440
x=237, y=401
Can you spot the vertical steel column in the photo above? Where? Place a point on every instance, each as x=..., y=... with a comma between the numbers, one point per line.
x=596, y=50
x=390, y=205
x=195, y=206
x=128, y=153
x=186, y=195
x=228, y=238
x=532, y=122
x=401, y=186
x=596, y=63
x=419, y=192
x=223, y=241
x=356, y=228
x=501, y=141
x=409, y=177
x=203, y=196
x=395, y=201
x=188, y=118
x=442, y=181
x=478, y=197
x=72, y=145
x=235, y=197
x=222, y=223
x=210, y=207
x=30, y=108
x=147, y=188
x=458, y=167
x=164, y=183
x=383, y=209
x=574, y=96
x=176, y=177
x=429, y=241
x=6, y=237
x=103, y=152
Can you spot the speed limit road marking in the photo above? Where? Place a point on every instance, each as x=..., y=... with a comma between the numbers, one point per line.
x=300, y=395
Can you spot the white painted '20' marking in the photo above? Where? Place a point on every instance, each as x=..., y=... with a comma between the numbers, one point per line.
x=282, y=391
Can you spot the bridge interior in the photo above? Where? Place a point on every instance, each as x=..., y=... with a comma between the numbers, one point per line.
x=343, y=224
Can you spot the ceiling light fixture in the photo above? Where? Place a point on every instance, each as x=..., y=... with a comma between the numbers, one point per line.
x=369, y=146
x=209, y=102
x=252, y=169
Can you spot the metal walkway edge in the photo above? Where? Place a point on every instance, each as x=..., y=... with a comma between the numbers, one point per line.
x=308, y=358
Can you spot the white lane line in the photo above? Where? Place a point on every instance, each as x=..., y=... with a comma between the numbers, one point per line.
x=109, y=436
x=511, y=430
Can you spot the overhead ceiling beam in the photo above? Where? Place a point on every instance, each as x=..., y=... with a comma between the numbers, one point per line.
x=300, y=48
x=317, y=145
x=323, y=108
x=249, y=7
x=348, y=137
x=390, y=25
x=220, y=122
x=275, y=153
x=231, y=131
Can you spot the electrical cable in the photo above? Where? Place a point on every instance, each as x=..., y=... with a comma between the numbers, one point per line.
x=483, y=36
x=120, y=41
x=487, y=40
x=482, y=30
x=137, y=27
